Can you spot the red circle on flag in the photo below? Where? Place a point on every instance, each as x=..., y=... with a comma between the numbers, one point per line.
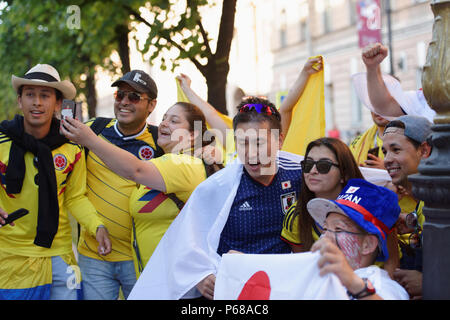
x=257, y=287
x=60, y=161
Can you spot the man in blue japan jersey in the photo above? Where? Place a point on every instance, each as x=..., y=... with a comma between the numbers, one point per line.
x=240, y=208
x=258, y=211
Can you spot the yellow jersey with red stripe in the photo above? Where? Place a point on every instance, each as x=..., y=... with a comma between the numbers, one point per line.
x=290, y=232
x=110, y=193
x=70, y=169
x=361, y=145
x=153, y=211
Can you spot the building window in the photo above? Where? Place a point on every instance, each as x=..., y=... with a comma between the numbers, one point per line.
x=283, y=29
x=303, y=30
x=356, y=108
x=419, y=72
x=353, y=14
x=327, y=16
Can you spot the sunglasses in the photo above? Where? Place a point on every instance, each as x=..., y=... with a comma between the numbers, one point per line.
x=322, y=166
x=132, y=96
x=260, y=108
x=415, y=239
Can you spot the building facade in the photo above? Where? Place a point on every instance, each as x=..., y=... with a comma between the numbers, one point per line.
x=287, y=32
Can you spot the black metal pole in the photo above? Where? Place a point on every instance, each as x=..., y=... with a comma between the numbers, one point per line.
x=432, y=184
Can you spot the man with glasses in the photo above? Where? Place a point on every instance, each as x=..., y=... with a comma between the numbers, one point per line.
x=356, y=226
x=41, y=171
x=135, y=99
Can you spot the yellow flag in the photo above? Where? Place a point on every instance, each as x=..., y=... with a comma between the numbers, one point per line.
x=308, y=116
x=229, y=151
x=181, y=96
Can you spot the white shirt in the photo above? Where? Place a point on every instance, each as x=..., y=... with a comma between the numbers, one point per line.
x=385, y=287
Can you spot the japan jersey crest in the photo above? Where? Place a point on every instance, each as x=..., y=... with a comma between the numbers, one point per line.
x=60, y=161
x=287, y=200
x=146, y=153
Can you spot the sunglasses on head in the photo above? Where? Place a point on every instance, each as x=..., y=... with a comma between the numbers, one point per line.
x=260, y=108
x=132, y=96
x=322, y=166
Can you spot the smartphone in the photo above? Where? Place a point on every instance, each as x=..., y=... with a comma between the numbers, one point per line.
x=69, y=109
x=15, y=215
x=373, y=151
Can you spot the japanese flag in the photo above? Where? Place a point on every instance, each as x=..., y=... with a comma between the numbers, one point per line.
x=286, y=184
x=352, y=189
x=275, y=277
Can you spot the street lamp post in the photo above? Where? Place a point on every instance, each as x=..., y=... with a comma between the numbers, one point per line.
x=432, y=184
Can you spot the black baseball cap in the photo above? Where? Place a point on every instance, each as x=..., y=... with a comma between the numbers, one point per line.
x=140, y=81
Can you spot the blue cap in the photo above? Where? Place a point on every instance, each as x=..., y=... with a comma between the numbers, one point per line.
x=375, y=209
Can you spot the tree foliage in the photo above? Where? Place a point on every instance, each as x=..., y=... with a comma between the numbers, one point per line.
x=42, y=32
x=35, y=31
x=183, y=30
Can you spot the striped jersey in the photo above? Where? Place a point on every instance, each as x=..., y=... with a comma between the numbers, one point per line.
x=110, y=193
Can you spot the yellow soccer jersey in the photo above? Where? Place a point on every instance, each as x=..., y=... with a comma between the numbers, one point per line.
x=290, y=232
x=110, y=193
x=408, y=204
x=70, y=169
x=364, y=142
x=181, y=173
x=153, y=211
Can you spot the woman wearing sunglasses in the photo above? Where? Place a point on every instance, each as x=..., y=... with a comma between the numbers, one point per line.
x=326, y=169
x=169, y=178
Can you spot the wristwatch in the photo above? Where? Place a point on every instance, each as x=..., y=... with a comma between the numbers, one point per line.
x=367, y=291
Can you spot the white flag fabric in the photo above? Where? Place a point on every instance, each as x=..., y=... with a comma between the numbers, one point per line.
x=275, y=277
x=379, y=177
x=412, y=102
x=187, y=252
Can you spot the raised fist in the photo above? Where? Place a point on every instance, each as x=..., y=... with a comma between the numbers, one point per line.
x=373, y=54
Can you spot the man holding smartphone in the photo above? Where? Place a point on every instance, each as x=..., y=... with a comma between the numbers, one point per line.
x=42, y=172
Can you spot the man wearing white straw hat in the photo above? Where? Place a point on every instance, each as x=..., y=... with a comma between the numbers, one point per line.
x=42, y=172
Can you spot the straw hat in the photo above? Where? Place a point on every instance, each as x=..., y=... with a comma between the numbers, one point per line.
x=45, y=75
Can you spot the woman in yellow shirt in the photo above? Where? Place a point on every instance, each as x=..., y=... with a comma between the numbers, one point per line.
x=165, y=183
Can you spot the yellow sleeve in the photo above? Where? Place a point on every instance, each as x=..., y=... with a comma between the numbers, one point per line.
x=181, y=173
x=290, y=232
x=228, y=121
x=420, y=215
x=76, y=200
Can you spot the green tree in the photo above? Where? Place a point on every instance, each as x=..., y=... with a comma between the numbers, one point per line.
x=45, y=32
x=185, y=32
